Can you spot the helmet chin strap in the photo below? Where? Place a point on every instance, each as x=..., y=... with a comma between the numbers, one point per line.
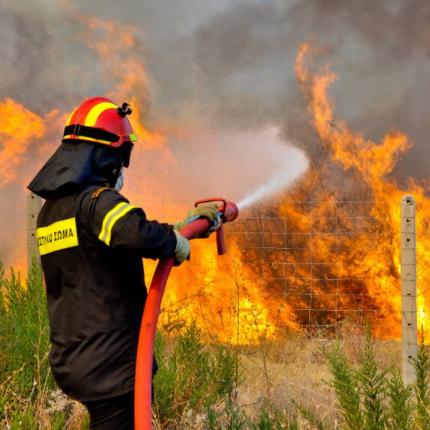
x=120, y=180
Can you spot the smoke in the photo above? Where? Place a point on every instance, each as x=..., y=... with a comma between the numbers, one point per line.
x=221, y=67
x=230, y=63
x=227, y=163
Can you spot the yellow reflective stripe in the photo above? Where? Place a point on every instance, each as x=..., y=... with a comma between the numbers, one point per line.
x=96, y=111
x=89, y=139
x=133, y=137
x=70, y=118
x=107, y=219
x=57, y=236
x=110, y=220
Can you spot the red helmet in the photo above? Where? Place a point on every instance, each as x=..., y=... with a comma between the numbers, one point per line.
x=100, y=120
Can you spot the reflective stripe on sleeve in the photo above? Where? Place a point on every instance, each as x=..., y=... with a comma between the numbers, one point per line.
x=111, y=218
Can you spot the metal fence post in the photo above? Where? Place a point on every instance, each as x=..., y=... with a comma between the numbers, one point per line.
x=409, y=288
x=34, y=203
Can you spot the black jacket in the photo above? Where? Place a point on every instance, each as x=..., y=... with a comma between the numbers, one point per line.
x=91, y=244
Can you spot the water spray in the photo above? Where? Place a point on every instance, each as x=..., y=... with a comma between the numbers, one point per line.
x=227, y=212
x=274, y=185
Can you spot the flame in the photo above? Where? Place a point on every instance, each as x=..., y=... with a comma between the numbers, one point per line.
x=354, y=261
x=25, y=137
x=19, y=127
x=223, y=297
x=343, y=265
x=334, y=264
x=125, y=73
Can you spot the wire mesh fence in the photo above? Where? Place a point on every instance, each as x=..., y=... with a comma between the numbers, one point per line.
x=316, y=266
x=307, y=269
x=322, y=267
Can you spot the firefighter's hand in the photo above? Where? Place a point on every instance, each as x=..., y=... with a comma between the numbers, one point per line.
x=182, y=250
x=205, y=211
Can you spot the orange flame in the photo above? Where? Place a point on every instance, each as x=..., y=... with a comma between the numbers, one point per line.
x=379, y=267
x=223, y=297
x=19, y=127
x=235, y=297
x=125, y=72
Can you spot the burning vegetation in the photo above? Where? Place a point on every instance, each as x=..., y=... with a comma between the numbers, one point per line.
x=322, y=255
x=327, y=255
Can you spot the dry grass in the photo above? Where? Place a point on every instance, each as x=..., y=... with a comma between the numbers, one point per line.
x=284, y=372
x=288, y=371
x=294, y=370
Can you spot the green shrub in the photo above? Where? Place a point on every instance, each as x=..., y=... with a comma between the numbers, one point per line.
x=196, y=380
x=24, y=340
x=372, y=396
x=192, y=376
x=233, y=417
x=421, y=387
x=371, y=381
x=271, y=418
x=346, y=386
x=399, y=415
x=26, y=379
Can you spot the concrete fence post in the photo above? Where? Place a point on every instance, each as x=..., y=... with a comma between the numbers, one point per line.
x=409, y=288
x=34, y=204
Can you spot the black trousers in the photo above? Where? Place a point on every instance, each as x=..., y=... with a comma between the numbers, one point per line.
x=116, y=413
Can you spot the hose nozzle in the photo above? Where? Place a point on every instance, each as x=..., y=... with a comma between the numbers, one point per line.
x=231, y=211
x=228, y=212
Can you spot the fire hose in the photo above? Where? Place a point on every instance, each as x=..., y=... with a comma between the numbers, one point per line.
x=228, y=211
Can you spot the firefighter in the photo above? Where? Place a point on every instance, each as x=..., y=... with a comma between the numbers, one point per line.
x=91, y=242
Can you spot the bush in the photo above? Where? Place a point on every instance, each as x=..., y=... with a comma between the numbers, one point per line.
x=374, y=397
x=233, y=417
x=195, y=387
x=196, y=384
x=27, y=388
x=24, y=342
x=345, y=384
x=400, y=402
x=192, y=376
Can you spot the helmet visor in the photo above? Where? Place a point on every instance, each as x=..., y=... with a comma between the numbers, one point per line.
x=126, y=149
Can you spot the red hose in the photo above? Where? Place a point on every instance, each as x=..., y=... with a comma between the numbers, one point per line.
x=148, y=327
